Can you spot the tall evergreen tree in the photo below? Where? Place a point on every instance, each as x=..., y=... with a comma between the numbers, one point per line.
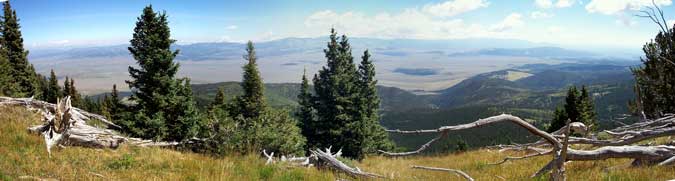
x=25, y=81
x=578, y=107
x=572, y=104
x=75, y=97
x=66, y=87
x=53, y=90
x=165, y=104
x=252, y=103
x=220, y=98
x=6, y=86
x=587, y=109
x=375, y=137
x=337, y=95
x=655, y=79
x=305, y=111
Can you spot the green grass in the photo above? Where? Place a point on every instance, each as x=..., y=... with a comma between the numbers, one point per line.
x=23, y=154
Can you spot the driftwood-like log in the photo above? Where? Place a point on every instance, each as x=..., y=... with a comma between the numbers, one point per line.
x=331, y=161
x=65, y=125
x=481, y=122
x=458, y=172
x=661, y=154
x=45, y=107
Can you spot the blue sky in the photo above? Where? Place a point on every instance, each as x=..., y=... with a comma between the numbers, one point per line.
x=601, y=23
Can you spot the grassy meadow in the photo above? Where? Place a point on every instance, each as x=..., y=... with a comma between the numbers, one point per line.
x=23, y=155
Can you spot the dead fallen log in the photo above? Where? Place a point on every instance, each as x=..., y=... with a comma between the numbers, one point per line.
x=329, y=159
x=662, y=154
x=65, y=125
x=45, y=107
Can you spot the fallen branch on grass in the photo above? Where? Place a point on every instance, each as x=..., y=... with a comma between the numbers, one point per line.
x=67, y=125
x=662, y=154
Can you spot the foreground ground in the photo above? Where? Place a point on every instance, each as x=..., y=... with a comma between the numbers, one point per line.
x=23, y=155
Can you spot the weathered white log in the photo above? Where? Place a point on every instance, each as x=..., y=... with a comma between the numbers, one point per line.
x=479, y=123
x=329, y=160
x=67, y=125
x=78, y=114
x=458, y=172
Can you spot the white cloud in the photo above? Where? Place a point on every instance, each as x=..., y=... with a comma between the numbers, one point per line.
x=564, y=3
x=613, y=7
x=550, y=3
x=454, y=7
x=543, y=3
x=231, y=27
x=671, y=23
x=510, y=22
x=540, y=15
x=411, y=23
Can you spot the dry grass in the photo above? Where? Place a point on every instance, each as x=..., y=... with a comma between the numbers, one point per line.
x=22, y=154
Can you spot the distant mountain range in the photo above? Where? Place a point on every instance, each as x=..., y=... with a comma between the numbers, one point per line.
x=389, y=47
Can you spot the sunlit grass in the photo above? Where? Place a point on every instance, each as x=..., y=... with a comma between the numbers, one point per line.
x=23, y=154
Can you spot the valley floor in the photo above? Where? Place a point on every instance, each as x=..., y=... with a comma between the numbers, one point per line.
x=23, y=155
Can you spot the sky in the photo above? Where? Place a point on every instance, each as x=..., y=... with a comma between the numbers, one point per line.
x=601, y=23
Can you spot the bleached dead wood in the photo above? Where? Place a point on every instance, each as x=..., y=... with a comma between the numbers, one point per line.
x=45, y=107
x=661, y=153
x=458, y=172
x=329, y=159
x=479, y=123
x=67, y=125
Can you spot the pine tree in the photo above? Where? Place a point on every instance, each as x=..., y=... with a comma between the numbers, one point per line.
x=115, y=106
x=252, y=103
x=578, y=107
x=166, y=109
x=220, y=97
x=337, y=94
x=24, y=82
x=6, y=86
x=105, y=105
x=376, y=138
x=66, y=87
x=75, y=97
x=305, y=111
x=559, y=120
x=587, y=109
x=53, y=90
x=655, y=79
x=572, y=104
x=249, y=124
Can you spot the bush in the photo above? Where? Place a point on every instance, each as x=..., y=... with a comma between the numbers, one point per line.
x=274, y=130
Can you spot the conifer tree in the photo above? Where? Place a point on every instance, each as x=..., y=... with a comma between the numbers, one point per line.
x=75, y=97
x=587, y=109
x=6, y=86
x=655, y=78
x=578, y=107
x=305, y=111
x=115, y=106
x=219, y=100
x=252, y=103
x=53, y=90
x=376, y=138
x=166, y=109
x=105, y=106
x=24, y=81
x=66, y=87
x=572, y=104
x=337, y=94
